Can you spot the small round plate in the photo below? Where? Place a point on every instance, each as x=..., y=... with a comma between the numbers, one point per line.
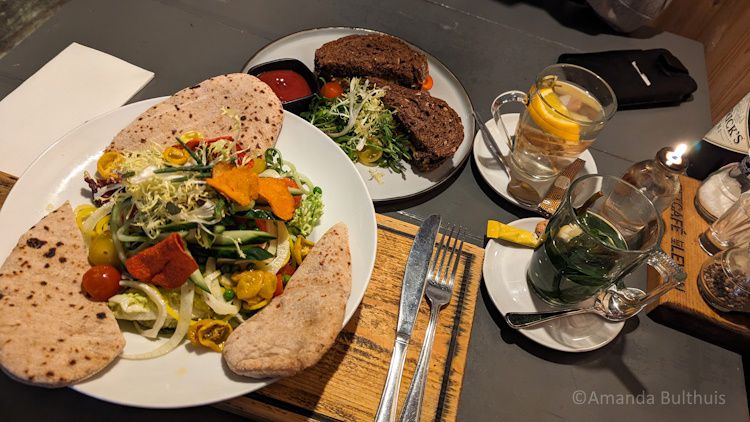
x=504, y=272
x=493, y=172
x=392, y=186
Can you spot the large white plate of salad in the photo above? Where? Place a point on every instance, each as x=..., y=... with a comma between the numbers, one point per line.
x=393, y=179
x=330, y=191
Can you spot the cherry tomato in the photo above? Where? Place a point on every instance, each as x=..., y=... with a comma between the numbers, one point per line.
x=108, y=163
x=102, y=250
x=427, y=84
x=286, y=270
x=262, y=225
x=101, y=282
x=331, y=90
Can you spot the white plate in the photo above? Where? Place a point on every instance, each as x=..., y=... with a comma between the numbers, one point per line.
x=493, y=172
x=185, y=377
x=302, y=46
x=504, y=271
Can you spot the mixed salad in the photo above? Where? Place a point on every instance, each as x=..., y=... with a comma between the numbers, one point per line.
x=352, y=113
x=196, y=237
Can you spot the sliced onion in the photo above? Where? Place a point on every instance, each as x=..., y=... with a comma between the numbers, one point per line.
x=215, y=299
x=89, y=224
x=282, y=250
x=219, y=305
x=187, y=293
x=270, y=173
x=156, y=297
x=210, y=265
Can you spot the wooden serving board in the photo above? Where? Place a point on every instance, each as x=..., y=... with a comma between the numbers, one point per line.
x=346, y=384
x=684, y=309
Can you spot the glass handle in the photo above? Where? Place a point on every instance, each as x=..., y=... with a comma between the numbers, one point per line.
x=519, y=97
x=671, y=273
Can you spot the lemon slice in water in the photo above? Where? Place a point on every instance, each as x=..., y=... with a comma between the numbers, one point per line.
x=547, y=111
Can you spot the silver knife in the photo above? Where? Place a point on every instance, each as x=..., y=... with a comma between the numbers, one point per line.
x=490, y=142
x=412, y=291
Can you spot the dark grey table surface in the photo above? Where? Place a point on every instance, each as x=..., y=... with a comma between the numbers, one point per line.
x=491, y=46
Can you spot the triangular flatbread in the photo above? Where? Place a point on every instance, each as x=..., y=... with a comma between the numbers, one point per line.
x=199, y=108
x=295, y=330
x=51, y=335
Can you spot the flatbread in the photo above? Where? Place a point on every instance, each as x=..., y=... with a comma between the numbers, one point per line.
x=200, y=108
x=51, y=335
x=295, y=330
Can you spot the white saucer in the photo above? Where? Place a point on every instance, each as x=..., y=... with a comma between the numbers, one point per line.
x=504, y=272
x=493, y=172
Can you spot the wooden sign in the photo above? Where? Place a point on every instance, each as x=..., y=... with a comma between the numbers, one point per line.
x=684, y=309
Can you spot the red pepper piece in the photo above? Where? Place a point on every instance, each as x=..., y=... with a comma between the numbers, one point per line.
x=165, y=264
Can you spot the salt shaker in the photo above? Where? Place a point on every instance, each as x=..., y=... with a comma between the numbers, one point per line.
x=722, y=188
x=658, y=179
x=724, y=280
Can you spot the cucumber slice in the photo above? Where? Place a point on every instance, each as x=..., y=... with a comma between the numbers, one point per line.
x=252, y=253
x=197, y=278
x=245, y=237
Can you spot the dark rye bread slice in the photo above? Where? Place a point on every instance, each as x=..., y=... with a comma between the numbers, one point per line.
x=435, y=129
x=378, y=55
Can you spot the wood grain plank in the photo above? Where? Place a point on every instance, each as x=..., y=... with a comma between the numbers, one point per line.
x=685, y=310
x=721, y=25
x=346, y=384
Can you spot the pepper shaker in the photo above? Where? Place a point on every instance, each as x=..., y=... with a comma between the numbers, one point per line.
x=724, y=280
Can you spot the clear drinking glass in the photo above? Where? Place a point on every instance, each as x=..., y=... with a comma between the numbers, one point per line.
x=730, y=229
x=604, y=229
x=565, y=109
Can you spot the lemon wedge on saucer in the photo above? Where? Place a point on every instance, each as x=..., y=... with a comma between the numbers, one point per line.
x=498, y=230
x=548, y=112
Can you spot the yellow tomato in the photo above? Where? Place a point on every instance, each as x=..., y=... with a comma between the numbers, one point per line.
x=259, y=165
x=175, y=155
x=102, y=225
x=102, y=250
x=369, y=156
x=211, y=333
x=253, y=284
x=191, y=136
x=83, y=212
x=256, y=306
x=108, y=163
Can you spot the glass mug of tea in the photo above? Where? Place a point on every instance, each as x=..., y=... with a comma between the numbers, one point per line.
x=565, y=109
x=604, y=229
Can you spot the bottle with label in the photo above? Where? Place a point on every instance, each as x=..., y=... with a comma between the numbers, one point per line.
x=658, y=179
x=726, y=143
x=722, y=188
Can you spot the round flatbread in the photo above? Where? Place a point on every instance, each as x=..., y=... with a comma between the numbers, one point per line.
x=295, y=330
x=214, y=107
x=51, y=335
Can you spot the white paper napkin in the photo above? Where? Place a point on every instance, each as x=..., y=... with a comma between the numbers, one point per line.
x=78, y=84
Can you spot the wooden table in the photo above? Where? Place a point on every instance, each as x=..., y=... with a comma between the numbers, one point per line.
x=491, y=46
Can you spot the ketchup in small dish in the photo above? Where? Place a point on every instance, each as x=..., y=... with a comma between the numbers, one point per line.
x=288, y=85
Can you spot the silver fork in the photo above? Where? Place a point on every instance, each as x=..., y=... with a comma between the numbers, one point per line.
x=438, y=291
